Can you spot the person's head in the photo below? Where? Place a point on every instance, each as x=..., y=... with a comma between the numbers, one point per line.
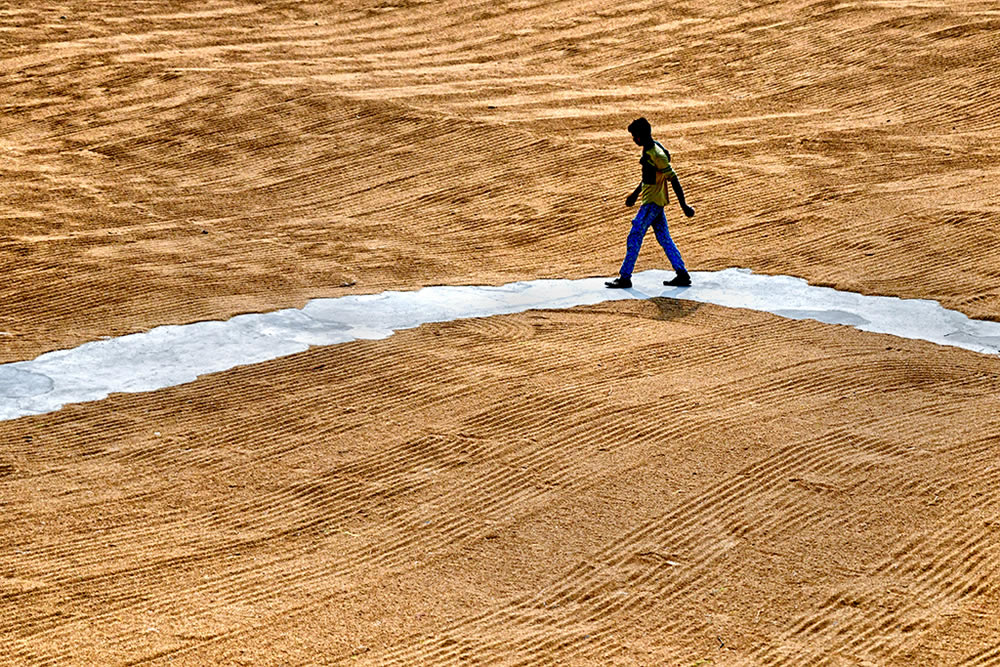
x=641, y=132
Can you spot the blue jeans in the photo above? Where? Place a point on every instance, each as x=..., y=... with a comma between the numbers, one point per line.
x=650, y=215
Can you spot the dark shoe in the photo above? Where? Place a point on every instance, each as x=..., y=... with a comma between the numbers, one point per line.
x=682, y=279
x=619, y=283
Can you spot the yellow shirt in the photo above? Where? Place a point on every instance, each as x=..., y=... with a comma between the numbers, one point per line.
x=656, y=173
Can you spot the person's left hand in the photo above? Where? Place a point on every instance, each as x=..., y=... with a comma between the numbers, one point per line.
x=688, y=211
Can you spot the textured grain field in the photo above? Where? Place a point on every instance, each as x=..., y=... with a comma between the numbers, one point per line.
x=634, y=483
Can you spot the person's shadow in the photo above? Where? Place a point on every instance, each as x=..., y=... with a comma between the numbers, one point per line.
x=673, y=309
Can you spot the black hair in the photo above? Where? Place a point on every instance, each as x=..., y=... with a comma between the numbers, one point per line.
x=640, y=127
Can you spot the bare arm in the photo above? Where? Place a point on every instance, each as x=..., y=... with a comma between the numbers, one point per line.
x=632, y=198
x=679, y=191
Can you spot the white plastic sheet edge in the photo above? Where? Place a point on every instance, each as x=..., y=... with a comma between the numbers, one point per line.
x=171, y=355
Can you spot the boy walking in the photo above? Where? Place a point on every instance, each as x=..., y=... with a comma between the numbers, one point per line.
x=652, y=192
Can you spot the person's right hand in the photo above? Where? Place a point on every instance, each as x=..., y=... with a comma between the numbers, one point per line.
x=630, y=200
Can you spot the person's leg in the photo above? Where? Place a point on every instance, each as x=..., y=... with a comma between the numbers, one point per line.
x=663, y=236
x=640, y=223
